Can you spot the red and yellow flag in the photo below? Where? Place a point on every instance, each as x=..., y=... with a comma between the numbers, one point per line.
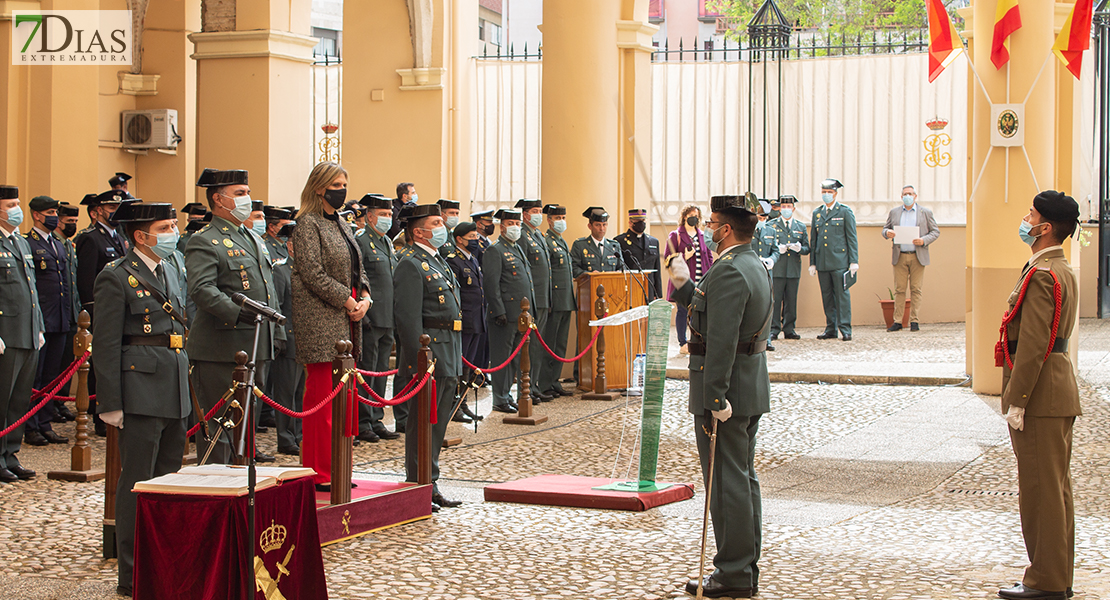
x=945, y=44
x=1007, y=19
x=1075, y=37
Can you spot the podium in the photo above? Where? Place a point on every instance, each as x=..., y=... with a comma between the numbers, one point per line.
x=623, y=290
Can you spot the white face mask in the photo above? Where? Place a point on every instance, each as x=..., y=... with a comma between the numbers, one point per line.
x=512, y=232
x=827, y=198
x=242, y=208
x=559, y=226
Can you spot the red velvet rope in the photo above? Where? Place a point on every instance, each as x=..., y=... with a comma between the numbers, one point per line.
x=67, y=374
x=195, y=428
x=64, y=377
x=405, y=395
x=523, y=340
x=593, y=341
x=300, y=415
x=376, y=373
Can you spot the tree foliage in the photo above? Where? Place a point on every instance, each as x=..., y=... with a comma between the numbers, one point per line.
x=839, y=18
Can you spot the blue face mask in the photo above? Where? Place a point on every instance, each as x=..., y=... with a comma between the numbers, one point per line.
x=242, y=208
x=1023, y=232
x=15, y=216
x=383, y=225
x=473, y=246
x=710, y=242
x=167, y=244
x=827, y=198
x=787, y=213
x=451, y=221
x=259, y=227
x=759, y=225
x=908, y=200
x=439, y=237
x=512, y=233
x=535, y=220
x=559, y=226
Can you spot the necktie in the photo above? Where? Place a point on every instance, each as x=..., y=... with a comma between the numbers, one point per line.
x=161, y=274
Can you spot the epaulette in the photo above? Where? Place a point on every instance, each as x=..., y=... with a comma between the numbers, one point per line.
x=280, y=261
x=85, y=230
x=116, y=262
x=451, y=255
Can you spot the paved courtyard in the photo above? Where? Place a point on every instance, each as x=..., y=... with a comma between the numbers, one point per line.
x=870, y=491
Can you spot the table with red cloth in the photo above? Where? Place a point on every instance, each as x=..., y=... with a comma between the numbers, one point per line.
x=190, y=547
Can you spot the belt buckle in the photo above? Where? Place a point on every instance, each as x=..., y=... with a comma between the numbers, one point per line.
x=456, y=325
x=177, y=342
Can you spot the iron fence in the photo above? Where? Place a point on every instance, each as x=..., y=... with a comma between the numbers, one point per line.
x=801, y=46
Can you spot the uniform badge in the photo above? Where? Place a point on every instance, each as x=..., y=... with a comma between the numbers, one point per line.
x=424, y=266
x=228, y=243
x=146, y=327
x=441, y=299
x=139, y=293
x=42, y=265
x=469, y=281
x=215, y=242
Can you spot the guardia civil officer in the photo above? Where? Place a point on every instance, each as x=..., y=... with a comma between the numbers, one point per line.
x=451, y=211
x=426, y=301
x=834, y=251
x=640, y=251
x=562, y=301
x=276, y=219
x=793, y=244
x=483, y=222
x=198, y=216
x=468, y=272
x=222, y=259
x=144, y=370
x=56, y=301
x=534, y=246
x=118, y=182
x=730, y=312
x=593, y=252
x=379, y=262
x=287, y=378
x=508, y=279
x=68, y=215
x=21, y=332
x=766, y=243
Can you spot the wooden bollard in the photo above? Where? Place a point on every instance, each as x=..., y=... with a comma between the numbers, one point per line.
x=80, y=461
x=112, y=469
x=600, y=386
x=424, y=403
x=342, y=445
x=524, y=386
x=242, y=434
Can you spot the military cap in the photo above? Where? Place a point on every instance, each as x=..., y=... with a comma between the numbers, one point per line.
x=256, y=205
x=554, y=210
x=637, y=212
x=1056, y=206
x=292, y=211
x=217, y=178
x=89, y=200
x=776, y=201
x=194, y=208
x=109, y=197
x=287, y=229
x=274, y=212
x=747, y=203
x=831, y=184
x=9, y=192
x=483, y=214
x=197, y=224
x=66, y=209
x=447, y=204
x=787, y=198
x=464, y=228
x=139, y=212
x=526, y=203
x=41, y=203
x=508, y=213
x=595, y=214
x=358, y=210
x=376, y=201
x=419, y=211
x=347, y=215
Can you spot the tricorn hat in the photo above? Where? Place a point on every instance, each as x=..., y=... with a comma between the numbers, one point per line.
x=118, y=179
x=194, y=208
x=66, y=209
x=376, y=201
x=9, y=192
x=596, y=213
x=419, y=211
x=747, y=203
x=527, y=203
x=446, y=204
x=276, y=213
x=554, y=210
x=139, y=211
x=512, y=214
x=216, y=178
x=831, y=184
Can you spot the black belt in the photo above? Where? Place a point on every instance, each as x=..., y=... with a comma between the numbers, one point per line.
x=1061, y=345
x=748, y=348
x=909, y=251
x=449, y=325
x=175, y=342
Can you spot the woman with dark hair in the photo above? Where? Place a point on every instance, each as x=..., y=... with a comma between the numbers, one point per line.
x=330, y=296
x=689, y=242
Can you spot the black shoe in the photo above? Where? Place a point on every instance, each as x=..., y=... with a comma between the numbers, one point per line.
x=827, y=336
x=22, y=472
x=7, y=476
x=505, y=408
x=34, y=438
x=791, y=336
x=267, y=422
x=471, y=414
x=123, y=591
x=100, y=429
x=262, y=457
x=398, y=428
x=536, y=399
x=711, y=588
x=1021, y=592
x=438, y=498
x=369, y=436
x=289, y=450
x=461, y=418
x=65, y=413
x=770, y=347
x=54, y=438
x=895, y=327
x=915, y=327
x=385, y=434
x=773, y=338
x=435, y=507
x=847, y=337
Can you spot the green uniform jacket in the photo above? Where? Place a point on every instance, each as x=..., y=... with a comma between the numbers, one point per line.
x=221, y=260
x=379, y=263
x=20, y=315
x=832, y=239
x=141, y=380
x=768, y=246
x=506, y=278
x=562, y=279
x=276, y=247
x=736, y=280
x=586, y=259
x=789, y=265
x=71, y=262
x=535, y=250
x=425, y=288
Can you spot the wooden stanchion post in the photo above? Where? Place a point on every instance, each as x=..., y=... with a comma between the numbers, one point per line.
x=112, y=468
x=524, y=386
x=342, y=445
x=243, y=432
x=424, y=402
x=80, y=462
x=600, y=386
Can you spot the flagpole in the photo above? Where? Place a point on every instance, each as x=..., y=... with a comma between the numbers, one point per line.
x=1037, y=78
x=1031, y=172
x=979, y=178
x=971, y=65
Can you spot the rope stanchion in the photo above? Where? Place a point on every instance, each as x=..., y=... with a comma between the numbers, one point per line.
x=49, y=397
x=195, y=428
x=300, y=415
x=377, y=373
x=597, y=332
x=406, y=394
x=523, y=341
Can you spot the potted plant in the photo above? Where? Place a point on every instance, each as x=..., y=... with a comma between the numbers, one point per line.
x=888, y=309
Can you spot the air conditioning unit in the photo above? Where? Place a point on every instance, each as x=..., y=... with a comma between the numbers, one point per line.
x=144, y=129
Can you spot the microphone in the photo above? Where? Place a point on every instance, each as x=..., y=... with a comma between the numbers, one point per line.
x=638, y=268
x=258, y=309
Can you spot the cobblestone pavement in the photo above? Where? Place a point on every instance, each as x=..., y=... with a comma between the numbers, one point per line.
x=878, y=492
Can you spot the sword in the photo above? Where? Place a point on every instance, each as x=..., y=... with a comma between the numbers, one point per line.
x=708, y=494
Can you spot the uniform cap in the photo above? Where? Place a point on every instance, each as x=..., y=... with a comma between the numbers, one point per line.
x=483, y=214
x=118, y=179
x=140, y=212
x=109, y=197
x=831, y=184
x=446, y=204
x=596, y=214
x=292, y=211
x=527, y=203
x=418, y=211
x=89, y=200
x=637, y=212
x=1056, y=206
x=9, y=192
x=554, y=210
x=508, y=213
x=216, y=178
x=464, y=228
x=194, y=208
x=66, y=209
x=747, y=203
x=787, y=198
x=376, y=201
x=256, y=205
x=287, y=229
x=276, y=213
x=41, y=203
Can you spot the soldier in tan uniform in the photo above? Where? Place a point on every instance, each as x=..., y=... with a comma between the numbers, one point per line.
x=1040, y=397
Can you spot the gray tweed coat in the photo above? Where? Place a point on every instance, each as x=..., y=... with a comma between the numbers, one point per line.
x=321, y=284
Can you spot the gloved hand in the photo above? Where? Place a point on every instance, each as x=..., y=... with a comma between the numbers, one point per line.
x=1016, y=417
x=245, y=316
x=42, y=341
x=2, y=346
x=812, y=270
x=679, y=271
x=853, y=268
x=501, y=320
x=723, y=414
x=113, y=418
x=796, y=246
x=767, y=262
x=782, y=248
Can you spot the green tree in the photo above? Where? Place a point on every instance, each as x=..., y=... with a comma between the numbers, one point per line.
x=843, y=19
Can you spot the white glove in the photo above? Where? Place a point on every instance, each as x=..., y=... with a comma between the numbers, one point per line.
x=767, y=262
x=796, y=246
x=853, y=268
x=2, y=346
x=42, y=341
x=113, y=418
x=679, y=271
x=812, y=270
x=1016, y=417
x=782, y=248
x=723, y=414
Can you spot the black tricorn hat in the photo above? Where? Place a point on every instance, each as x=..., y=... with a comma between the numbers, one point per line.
x=256, y=205
x=42, y=203
x=482, y=214
x=526, y=203
x=831, y=184
x=376, y=201
x=787, y=198
x=66, y=209
x=287, y=229
x=89, y=200
x=9, y=192
x=446, y=204
x=596, y=214
x=419, y=211
x=118, y=179
x=508, y=213
x=194, y=208
x=276, y=213
x=139, y=212
x=217, y=178
x=292, y=211
x=554, y=210
x=747, y=203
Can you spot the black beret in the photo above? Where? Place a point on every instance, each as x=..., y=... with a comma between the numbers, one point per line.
x=9, y=192
x=42, y=203
x=464, y=228
x=217, y=178
x=1056, y=206
x=555, y=210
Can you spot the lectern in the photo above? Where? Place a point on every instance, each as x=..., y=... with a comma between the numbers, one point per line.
x=623, y=290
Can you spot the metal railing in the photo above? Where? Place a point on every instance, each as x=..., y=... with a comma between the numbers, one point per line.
x=802, y=46
x=511, y=54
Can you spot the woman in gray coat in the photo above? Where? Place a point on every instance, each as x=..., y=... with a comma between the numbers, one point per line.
x=330, y=296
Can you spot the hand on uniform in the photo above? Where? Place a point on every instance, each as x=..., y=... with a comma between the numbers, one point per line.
x=783, y=248
x=679, y=271
x=2, y=346
x=812, y=270
x=113, y=418
x=889, y=235
x=767, y=262
x=796, y=246
x=1016, y=417
x=501, y=320
x=723, y=414
x=853, y=268
x=688, y=253
x=919, y=242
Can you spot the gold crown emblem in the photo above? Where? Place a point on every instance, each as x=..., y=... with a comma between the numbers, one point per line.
x=272, y=538
x=936, y=123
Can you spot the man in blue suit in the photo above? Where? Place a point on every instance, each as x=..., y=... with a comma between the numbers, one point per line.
x=463, y=260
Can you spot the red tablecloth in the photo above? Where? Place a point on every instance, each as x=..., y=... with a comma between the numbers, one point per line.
x=191, y=547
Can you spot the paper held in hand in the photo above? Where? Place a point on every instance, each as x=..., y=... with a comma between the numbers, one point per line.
x=905, y=234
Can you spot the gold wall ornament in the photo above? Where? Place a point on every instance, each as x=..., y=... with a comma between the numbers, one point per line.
x=934, y=156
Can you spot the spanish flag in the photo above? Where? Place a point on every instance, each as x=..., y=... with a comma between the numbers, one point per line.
x=1075, y=37
x=1007, y=19
x=945, y=44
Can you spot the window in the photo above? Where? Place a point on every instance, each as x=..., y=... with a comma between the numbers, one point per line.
x=489, y=32
x=328, y=44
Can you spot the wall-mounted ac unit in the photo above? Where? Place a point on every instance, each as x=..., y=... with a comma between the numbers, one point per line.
x=144, y=129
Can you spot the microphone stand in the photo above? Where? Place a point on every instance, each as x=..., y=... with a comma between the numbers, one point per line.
x=640, y=269
x=252, y=479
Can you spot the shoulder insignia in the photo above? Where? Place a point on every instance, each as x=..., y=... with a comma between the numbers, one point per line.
x=628, y=241
x=224, y=228
x=34, y=234
x=451, y=255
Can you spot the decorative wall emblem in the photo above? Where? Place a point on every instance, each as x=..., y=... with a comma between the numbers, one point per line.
x=934, y=144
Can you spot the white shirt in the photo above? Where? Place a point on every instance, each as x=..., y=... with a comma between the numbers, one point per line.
x=149, y=262
x=7, y=233
x=1040, y=253
x=430, y=250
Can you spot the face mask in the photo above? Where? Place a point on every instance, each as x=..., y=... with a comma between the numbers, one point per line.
x=512, y=233
x=559, y=226
x=1023, y=232
x=451, y=221
x=415, y=198
x=51, y=223
x=908, y=200
x=692, y=221
x=787, y=213
x=15, y=216
x=711, y=240
x=242, y=208
x=827, y=198
x=259, y=227
x=167, y=244
x=335, y=198
x=69, y=229
x=639, y=226
x=473, y=247
x=439, y=237
x=488, y=230
x=383, y=225
x=759, y=225
x=535, y=220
